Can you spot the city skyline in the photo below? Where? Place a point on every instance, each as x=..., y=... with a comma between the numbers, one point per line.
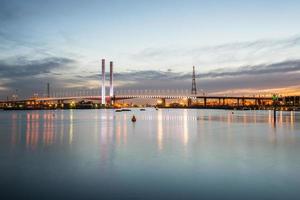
x=152, y=45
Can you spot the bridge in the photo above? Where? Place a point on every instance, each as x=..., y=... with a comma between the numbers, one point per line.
x=190, y=99
x=161, y=95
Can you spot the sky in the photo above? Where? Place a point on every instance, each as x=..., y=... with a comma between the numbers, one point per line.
x=239, y=47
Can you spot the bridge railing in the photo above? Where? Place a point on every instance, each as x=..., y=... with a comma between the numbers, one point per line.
x=140, y=92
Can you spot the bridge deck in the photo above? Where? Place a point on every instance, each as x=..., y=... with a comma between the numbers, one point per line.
x=123, y=97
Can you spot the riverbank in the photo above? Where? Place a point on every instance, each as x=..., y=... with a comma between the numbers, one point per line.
x=111, y=107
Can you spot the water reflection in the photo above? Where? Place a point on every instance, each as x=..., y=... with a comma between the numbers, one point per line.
x=14, y=130
x=32, y=130
x=251, y=117
x=292, y=119
x=125, y=129
x=40, y=128
x=185, y=127
x=108, y=140
x=62, y=126
x=118, y=132
x=47, y=128
x=160, y=130
x=71, y=127
x=48, y=132
x=201, y=148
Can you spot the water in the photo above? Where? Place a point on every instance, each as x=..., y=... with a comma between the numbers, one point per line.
x=166, y=154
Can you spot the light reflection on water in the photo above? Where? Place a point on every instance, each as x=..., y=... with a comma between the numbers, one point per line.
x=160, y=130
x=46, y=128
x=185, y=152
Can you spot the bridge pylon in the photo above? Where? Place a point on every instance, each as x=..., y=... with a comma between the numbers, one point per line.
x=103, y=96
x=194, y=89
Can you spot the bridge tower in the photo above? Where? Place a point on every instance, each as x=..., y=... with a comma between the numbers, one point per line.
x=103, y=102
x=111, y=83
x=194, y=89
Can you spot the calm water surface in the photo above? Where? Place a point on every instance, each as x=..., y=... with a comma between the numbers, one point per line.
x=166, y=154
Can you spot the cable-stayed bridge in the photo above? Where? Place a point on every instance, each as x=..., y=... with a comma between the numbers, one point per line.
x=113, y=96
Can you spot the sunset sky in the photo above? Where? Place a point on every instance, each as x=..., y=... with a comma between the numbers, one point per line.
x=236, y=46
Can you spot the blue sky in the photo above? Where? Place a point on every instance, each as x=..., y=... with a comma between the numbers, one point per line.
x=163, y=39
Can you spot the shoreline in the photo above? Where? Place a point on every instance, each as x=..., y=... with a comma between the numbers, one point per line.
x=112, y=108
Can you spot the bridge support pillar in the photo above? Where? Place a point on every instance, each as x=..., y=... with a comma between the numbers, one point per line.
x=238, y=102
x=205, y=101
x=112, y=100
x=162, y=102
x=60, y=103
x=294, y=99
x=189, y=102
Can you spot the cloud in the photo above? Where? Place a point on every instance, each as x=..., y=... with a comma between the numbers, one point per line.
x=29, y=76
x=278, y=68
x=239, y=83
x=22, y=67
x=213, y=57
x=281, y=68
x=136, y=75
x=244, y=78
x=33, y=76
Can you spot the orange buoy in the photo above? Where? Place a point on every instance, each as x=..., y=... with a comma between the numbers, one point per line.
x=133, y=119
